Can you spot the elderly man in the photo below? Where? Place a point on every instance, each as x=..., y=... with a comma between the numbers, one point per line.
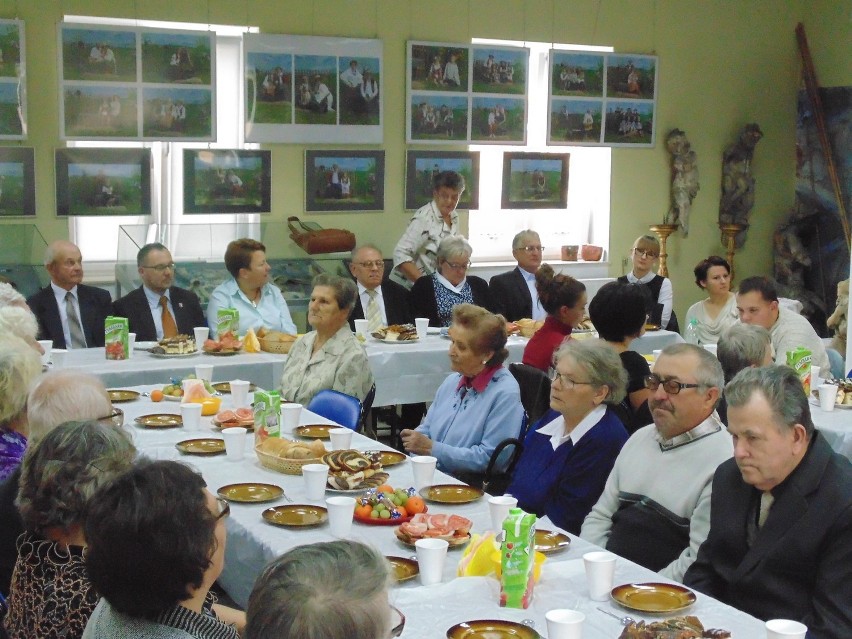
x=780, y=542
x=382, y=303
x=158, y=309
x=655, y=508
x=741, y=346
x=514, y=293
x=69, y=312
x=757, y=303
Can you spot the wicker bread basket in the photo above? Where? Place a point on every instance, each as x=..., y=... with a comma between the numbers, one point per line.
x=283, y=464
x=529, y=327
x=270, y=346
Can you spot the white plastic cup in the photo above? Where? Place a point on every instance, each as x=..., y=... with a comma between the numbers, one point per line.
x=240, y=393
x=235, y=442
x=201, y=335
x=827, y=396
x=431, y=555
x=341, y=510
x=58, y=357
x=424, y=470
x=422, y=326
x=499, y=507
x=785, y=629
x=204, y=371
x=316, y=476
x=131, y=344
x=815, y=372
x=361, y=327
x=600, y=569
x=290, y=415
x=191, y=415
x=47, y=347
x=341, y=438
x=564, y=624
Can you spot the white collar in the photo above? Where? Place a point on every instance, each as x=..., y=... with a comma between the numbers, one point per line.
x=556, y=428
x=447, y=284
x=58, y=291
x=363, y=289
x=529, y=277
x=641, y=280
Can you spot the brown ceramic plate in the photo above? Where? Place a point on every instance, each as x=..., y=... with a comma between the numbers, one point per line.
x=403, y=569
x=248, y=424
x=315, y=431
x=225, y=387
x=202, y=446
x=653, y=597
x=250, y=493
x=388, y=457
x=451, y=493
x=652, y=327
x=550, y=541
x=160, y=420
x=455, y=542
x=220, y=353
x=371, y=482
x=491, y=629
x=296, y=515
x=121, y=395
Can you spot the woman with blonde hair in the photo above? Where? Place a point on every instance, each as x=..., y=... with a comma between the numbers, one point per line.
x=20, y=365
x=644, y=254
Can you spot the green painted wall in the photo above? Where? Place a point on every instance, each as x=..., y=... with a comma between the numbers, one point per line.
x=723, y=63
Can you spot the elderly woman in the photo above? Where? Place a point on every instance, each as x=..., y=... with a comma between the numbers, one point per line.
x=51, y=595
x=20, y=321
x=564, y=299
x=435, y=296
x=20, y=365
x=742, y=346
x=258, y=301
x=9, y=296
x=290, y=598
x=329, y=357
x=159, y=510
x=619, y=312
x=478, y=405
x=719, y=311
x=644, y=254
x=570, y=451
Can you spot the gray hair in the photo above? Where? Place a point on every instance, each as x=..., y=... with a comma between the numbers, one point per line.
x=20, y=365
x=708, y=373
x=453, y=246
x=521, y=238
x=9, y=296
x=62, y=471
x=331, y=590
x=62, y=396
x=600, y=363
x=18, y=321
x=362, y=247
x=54, y=247
x=741, y=346
x=782, y=389
x=145, y=250
x=345, y=290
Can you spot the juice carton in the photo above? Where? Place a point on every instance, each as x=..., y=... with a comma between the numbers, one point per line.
x=800, y=361
x=267, y=415
x=116, y=337
x=517, y=559
x=227, y=319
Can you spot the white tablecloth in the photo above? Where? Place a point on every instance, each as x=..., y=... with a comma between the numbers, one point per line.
x=836, y=426
x=655, y=340
x=429, y=610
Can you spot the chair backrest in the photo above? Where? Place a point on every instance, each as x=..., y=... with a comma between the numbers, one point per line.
x=366, y=405
x=535, y=389
x=336, y=406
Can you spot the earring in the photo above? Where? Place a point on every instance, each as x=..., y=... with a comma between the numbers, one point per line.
x=485, y=361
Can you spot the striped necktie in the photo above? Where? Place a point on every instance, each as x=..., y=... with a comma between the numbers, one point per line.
x=374, y=313
x=766, y=501
x=169, y=326
x=78, y=339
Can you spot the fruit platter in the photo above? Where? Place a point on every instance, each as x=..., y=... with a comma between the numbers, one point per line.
x=386, y=506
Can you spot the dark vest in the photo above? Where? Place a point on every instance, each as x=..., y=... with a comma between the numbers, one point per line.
x=657, y=313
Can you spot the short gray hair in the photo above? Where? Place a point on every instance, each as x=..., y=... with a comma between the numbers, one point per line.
x=19, y=322
x=9, y=296
x=330, y=589
x=453, y=246
x=362, y=247
x=521, y=238
x=600, y=363
x=708, y=373
x=782, y=389
x=62, y=471
x=345, y=290
x=62, y=396
x=741, y=346
x=20, y=365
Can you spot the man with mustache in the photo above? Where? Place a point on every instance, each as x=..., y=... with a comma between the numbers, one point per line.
x=655, y=508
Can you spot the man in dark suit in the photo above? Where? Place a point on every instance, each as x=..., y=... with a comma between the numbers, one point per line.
x=513, y=293
x=780, y=542
x=144, y=306
x=390, y=298
x=69, y=312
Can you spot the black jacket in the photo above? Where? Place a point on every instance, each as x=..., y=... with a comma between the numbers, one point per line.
x=397, y=305
x=511, y=295
x=95, y=307
x=134, y=306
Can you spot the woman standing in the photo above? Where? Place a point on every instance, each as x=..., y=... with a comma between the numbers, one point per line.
x=718, y=312
x=645, y=252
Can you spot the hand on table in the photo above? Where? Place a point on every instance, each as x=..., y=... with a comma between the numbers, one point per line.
x=415, y=442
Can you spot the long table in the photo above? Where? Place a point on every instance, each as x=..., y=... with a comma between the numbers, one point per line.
x=429, y=610
x=836, y=427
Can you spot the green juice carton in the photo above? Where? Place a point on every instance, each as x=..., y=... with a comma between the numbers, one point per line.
x=116, y=337
x=267, y=415
x=800, y=361
x=227, y=319
x=517, y=559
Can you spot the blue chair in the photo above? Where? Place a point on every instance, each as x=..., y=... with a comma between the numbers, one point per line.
x=339, y=407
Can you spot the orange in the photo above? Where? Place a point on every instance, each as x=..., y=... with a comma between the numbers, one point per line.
x=156, y=395
x=402, y=511
x=385, y=488
x=415, y=505
x=363, y=511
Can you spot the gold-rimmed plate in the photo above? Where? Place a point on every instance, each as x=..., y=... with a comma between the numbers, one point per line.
x=175, y=355
x=296, y=515
x=550, y=541
x=491, y=629
x=221, y=353
x=387, y=457
x=408, y=540
x=201, y=446
x=118, y=395
x=250, y=493
x=652, y=327
x=451, y=493
x=160, y=420
x=653, y=597
x=314, y=431
x=403, y=569
x=225, y=387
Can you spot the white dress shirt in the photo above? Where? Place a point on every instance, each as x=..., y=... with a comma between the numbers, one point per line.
x=364, y=296
x=59, y=293
x=538, y=312
x=157, y=310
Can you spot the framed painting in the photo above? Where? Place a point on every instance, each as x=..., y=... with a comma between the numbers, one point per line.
x=13, y=89
x=573, y=121
x=98, y=181
x=226, y=181
x=17, y=181
x=422, y=166
x=535, y=180
x=344, y=180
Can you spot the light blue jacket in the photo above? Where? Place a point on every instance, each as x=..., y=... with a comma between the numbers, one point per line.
x=272, y=312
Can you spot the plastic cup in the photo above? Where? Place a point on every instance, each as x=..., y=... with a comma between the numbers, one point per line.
x=600, y=569
x=424, y=470
x=191, y=415
x=204, y=371
x=201, y=335
x=131, y=344
x=290, y=414
x=58, y=357
x=815, y=372
x=431, y=555
x=235, y=442
x=827, y=396
x=316, y=476
x=499, y=507
x=341, y=510
x=422, y=326
x=564, y=624
x=47, y=347
x=239, y=393
x=341, y=438
x=361, y=327
x=785, y=629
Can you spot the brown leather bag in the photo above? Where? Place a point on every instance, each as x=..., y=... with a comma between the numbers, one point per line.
x=313, y=239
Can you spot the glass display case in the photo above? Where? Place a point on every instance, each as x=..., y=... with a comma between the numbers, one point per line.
x=22, y=249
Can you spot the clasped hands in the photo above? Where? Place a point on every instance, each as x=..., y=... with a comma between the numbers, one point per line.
x=415, y=442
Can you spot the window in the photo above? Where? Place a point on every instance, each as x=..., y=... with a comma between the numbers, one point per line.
x=586, y=221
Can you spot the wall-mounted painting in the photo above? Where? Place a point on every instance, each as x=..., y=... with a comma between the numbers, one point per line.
x=226, y=181
x=423, y=166
x=98, y=181
x=13, y=85
x=17, y=181
x=344, y=180
x=535, y=180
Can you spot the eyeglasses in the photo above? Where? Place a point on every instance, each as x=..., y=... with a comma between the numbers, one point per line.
x=566, y=381
x=396, y=631
x=162, y=267
x=458, y=267
x=671, y=386
x=531, y=249
x=372, y=264
x=224, y=508
x=644, y=253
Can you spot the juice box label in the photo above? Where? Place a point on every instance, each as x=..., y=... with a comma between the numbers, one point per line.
x=116, y=337
x=267, y=414
x=517, y=560
x=227, y=319
x=800, y=361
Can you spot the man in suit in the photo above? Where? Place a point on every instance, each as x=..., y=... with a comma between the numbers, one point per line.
x=780, y=542
x=69, y=312
x=514, y=293
x=391, y=299
x=144, y=306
